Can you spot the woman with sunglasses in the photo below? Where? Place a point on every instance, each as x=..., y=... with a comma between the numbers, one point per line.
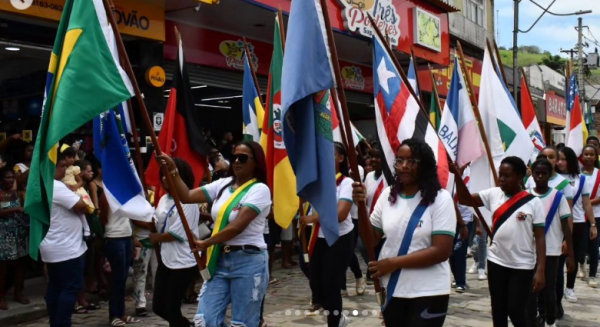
x=590, y=170
x=568, y=167
x=518, y=243
x=418, y=218
x=328, y=264
x=236, y=252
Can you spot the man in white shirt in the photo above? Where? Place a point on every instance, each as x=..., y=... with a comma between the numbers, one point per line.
x=63, y=250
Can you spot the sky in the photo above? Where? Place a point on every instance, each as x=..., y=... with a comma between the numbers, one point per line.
x=551, y=33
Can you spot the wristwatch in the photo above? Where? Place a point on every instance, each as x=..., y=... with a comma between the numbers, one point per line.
x=593, y=225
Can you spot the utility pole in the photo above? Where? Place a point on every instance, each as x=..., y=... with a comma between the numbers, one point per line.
x=515, y=49
x=580, y=59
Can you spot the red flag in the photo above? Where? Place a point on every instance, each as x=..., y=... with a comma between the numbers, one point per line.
x=181, y=135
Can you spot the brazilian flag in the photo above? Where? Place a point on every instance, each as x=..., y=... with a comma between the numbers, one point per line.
x=84, y=80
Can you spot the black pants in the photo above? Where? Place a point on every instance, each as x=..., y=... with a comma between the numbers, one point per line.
x=544, y=301
x=327, y=267
x=354, y=264
x=429, y=311
x=581, y=234
x=510, y=290
x=560, y=279
x=170, y=286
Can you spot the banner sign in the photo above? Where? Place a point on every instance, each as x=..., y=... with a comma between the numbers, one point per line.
x=141, y=18
x=355, y=15
x=444, y=75
x=556, y=109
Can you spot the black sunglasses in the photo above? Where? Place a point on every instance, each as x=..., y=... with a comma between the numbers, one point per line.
x=241, y=158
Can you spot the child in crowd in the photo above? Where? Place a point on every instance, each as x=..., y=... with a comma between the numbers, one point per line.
x=72, y=179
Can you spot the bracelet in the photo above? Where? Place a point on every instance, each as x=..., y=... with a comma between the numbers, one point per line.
x=174, y=172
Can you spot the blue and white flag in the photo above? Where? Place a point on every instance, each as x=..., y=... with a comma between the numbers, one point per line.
x=412, y=78
x=307, y=122
x=122, y=185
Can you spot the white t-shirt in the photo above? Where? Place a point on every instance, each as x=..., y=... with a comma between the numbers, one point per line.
x=554, y=236
x=578, y=213
x=64, y=240
x=514, y=245
x=592, y=181
x=117, y=226
x=438, y=219
x=344, y=193
x=257, y=198
x=373, y=184
x=354, y=209
x=177, y=254
x=556, y=183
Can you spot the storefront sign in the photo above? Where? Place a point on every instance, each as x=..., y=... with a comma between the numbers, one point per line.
x=556, y=109
x=355, y=15
x=155, y=76
x=443, y=76
x=233, y=51
x=353, y=77
x=428, y=32
x=143, y=18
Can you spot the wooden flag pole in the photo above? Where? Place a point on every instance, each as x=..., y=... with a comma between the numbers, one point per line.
x=108, y=6
x=335, y=100
x=477, y=113
x=435, y=91
x=249, y=57
x=460, y=183
x=501, y=66
x=303, y=234
x=281, y=28
x=414, y=60
x=365, y=227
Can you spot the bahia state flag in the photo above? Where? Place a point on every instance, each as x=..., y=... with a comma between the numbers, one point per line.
x=252, y=108
x=280, y=175
x=307, y=129
x=81, y=68
x=412, y=77
x=530, y=120
x=458, y=127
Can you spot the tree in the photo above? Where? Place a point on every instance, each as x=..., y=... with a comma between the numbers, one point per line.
x=530, y=49
x=555, y=62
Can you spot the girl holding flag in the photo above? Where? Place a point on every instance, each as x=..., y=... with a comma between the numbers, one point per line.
x=590, y=170
x=418, y=218
x=328, y=264
x=568, y=166
x=557, y=214
x=518, y=242
x=237, y=258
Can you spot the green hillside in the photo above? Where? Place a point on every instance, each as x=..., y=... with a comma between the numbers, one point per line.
x=524, y=59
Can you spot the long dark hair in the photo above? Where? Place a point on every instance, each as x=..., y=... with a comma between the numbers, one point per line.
x=339, y=148
x=185, y=172
x=596, y=163
x=572, y=163
x=427, y=177
x=260, y=172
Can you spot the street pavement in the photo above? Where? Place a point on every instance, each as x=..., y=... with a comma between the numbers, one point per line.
x=286, y=302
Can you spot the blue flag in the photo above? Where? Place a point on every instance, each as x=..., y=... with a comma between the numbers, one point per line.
x=307, y=124
x=122, y=185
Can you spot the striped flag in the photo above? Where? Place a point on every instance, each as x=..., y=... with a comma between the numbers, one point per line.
x=530, y=120
x=412, y=77
x=252, y=107
x=399, y=116
x=575, y=124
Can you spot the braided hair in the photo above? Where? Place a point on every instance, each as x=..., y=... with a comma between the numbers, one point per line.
x=427, y=177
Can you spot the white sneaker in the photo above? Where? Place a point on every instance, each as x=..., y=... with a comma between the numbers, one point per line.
x=344, y=293
x=473, y=269
x=361, y=286
x=581, y=272
x=592, y=282
x=344, y=321
x=570, y=296
x=482, y=274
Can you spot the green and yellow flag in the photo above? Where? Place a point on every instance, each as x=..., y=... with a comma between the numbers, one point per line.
x=434, y=112
x=84, y=80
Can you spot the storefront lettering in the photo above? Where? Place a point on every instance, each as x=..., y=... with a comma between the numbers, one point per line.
x=131, y=19
x=234, y=54
x=384, y=13
x=557, y=107
x=353, y=77
x=47, y=5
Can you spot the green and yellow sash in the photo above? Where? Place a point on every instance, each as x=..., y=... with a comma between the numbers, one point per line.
x=213, y=253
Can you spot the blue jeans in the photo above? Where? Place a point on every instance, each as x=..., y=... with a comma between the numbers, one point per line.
x=65, y=280
x=458, y=260
x=241, y=278
x=481, y=254
x=119, y=252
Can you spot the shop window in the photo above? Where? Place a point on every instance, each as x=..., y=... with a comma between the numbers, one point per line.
x=475, y=11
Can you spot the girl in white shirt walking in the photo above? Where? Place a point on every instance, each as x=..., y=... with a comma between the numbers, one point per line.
x=419, y=221
x=590, y=170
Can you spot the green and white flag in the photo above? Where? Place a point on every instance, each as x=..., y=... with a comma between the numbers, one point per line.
x=84, y=80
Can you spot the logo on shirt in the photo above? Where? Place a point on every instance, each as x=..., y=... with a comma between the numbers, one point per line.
x=420, y=224
x=521, y=216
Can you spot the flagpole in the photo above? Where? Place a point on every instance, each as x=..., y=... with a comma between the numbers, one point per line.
x=414, y=60
x=435, y=90
x=477, y=113
x=365, y=227
x=249, y=58
x=501, y=66
x=281, y=28
x=303, y=235
x=343, y=134
x=108, y=6
x=526, y=84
